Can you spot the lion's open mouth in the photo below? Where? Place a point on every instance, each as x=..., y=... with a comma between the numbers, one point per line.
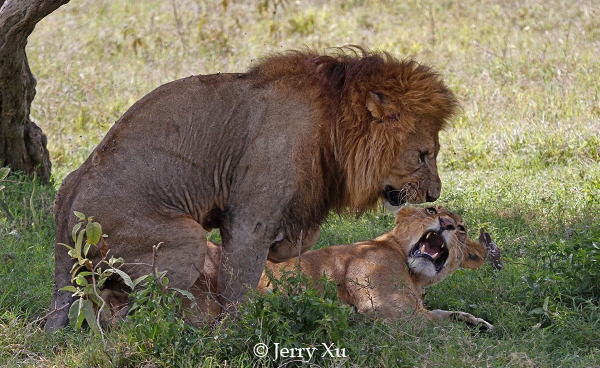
x=395, y=197
x=433, y=247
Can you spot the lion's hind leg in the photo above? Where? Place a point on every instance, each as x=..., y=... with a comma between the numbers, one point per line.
x=115, y=308
x=176, y=246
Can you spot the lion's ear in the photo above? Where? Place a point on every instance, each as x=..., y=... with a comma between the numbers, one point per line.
x=374, y=105
x=474, y=256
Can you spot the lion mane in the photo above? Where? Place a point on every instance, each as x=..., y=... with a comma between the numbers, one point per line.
x=352, y=157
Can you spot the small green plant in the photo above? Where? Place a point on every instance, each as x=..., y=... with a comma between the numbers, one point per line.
x=157, y=322
x=309, y=308
x=294, y=314
x=157, y=328
x=155, y=292
x=154, y=295
x=87, y=277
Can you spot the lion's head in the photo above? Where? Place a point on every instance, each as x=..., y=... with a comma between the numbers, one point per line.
x=386, y=130
x=414, y=177
x=378, y=136
x=435, y=242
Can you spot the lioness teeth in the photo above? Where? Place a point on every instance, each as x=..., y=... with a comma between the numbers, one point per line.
x=428, y=235
x=422, y=250
x=435, y=255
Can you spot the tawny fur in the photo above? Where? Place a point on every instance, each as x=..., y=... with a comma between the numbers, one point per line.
x=263, y=155
x=378, y=277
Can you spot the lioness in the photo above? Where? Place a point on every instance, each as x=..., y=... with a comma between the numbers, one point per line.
x=386, y=276
x=262, y=155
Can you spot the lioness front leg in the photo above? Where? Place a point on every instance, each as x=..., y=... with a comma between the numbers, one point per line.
x=439, y=315
x=286, y=249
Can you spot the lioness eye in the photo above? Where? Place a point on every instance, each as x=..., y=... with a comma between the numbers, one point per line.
x=422, y=157
x=461, y=228
x=431, y=210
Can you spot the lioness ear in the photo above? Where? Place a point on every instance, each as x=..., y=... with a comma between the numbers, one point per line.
x=474, y=256
x=373, y=104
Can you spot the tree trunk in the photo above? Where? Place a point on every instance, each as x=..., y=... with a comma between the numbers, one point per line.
x=22, y=142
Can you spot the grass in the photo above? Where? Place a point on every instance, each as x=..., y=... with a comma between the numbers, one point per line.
x=522, y=161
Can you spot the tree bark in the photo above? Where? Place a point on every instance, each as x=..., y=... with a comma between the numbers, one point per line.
x=22, y=142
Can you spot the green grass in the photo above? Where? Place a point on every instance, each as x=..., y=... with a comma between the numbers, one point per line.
x=522, y=160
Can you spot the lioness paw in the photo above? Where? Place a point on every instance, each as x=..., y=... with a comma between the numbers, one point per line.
x=471, y=320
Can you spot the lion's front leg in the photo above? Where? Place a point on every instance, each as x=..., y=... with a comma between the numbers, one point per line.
x=244, y=254
x=438, y=315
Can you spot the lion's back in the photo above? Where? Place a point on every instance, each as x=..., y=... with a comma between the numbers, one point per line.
x=188, y=139
x=156, y=139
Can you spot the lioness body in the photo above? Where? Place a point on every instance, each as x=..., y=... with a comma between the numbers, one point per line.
x=262, y=155
x=383, y=276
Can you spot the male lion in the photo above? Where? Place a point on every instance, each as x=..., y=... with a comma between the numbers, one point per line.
x=386, y=276
x=263, y=156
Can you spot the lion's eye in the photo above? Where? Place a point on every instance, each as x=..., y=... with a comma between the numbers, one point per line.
x=431, y=210
x=461, y=228
x=422, y=157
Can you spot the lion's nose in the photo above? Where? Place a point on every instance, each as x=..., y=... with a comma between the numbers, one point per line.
x=431, y=198
x=446, y=223
x=433, y=192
